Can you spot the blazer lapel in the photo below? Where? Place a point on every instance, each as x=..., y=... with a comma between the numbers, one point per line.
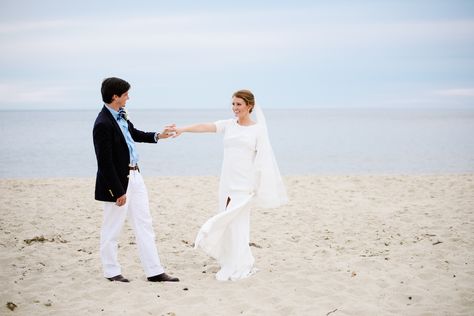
x=114, y=123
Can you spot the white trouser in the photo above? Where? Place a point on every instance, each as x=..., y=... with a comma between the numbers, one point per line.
x=138, y=212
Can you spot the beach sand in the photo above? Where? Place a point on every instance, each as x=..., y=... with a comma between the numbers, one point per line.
x=344, y=245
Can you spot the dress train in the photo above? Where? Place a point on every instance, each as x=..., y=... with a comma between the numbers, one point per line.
x=225, y=237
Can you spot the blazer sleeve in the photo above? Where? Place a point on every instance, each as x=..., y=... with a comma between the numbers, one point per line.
x=140, y=136
x=103, y=142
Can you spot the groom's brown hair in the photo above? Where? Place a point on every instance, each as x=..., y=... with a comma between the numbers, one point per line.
x=113, y=86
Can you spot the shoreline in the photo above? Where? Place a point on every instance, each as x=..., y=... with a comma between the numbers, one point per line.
x=361, y=174
x=347, y=244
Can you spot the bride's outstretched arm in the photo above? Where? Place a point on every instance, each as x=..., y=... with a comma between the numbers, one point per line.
x=196, y=128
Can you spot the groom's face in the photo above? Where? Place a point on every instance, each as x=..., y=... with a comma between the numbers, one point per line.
x=122, y=100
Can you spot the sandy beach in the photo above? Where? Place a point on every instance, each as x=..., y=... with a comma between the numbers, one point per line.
x=344, y=245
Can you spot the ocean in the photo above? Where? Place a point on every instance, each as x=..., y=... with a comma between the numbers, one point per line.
x=37, y=144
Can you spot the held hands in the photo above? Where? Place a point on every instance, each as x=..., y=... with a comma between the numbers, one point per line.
x=168, y=131
x=171, y=131
x=178, y=132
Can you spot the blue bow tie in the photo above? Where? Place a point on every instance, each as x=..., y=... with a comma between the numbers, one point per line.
x=122, y=114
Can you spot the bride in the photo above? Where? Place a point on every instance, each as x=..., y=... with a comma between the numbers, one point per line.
x=249, y=178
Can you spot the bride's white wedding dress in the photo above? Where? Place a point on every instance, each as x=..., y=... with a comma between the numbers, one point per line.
x=249, y=177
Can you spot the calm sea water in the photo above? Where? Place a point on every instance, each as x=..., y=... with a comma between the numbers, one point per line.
x=339, y=141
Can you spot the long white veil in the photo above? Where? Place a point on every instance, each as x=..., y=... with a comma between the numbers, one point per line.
x=270, y=190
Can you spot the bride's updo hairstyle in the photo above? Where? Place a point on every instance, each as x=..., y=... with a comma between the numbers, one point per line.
x=247, y=96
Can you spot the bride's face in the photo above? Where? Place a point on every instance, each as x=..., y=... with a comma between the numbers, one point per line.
x=240, y=108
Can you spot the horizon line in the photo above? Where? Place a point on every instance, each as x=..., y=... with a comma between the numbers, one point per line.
x=266, y=108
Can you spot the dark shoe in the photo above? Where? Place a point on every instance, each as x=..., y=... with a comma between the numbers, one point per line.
x=162, y=278
x=118, y=278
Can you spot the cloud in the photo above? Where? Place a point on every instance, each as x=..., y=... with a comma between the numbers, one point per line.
x=459, y=92
x=32, y=93
x=218, y=38
x=305, y=51
x=460, y=98
x=165, y=41
x=13, y=28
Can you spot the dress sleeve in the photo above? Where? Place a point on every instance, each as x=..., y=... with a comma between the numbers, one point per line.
x=221, y=125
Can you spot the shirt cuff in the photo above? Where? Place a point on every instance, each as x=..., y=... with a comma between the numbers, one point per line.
x=157, y=136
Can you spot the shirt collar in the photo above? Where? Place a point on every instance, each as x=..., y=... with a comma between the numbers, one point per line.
x=114, y=113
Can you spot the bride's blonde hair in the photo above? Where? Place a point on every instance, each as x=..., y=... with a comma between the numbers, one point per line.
x=247, y=96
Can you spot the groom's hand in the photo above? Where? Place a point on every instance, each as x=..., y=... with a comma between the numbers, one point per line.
x=121, y=200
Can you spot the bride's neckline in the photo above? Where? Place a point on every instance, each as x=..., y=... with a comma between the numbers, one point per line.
x=237, y=122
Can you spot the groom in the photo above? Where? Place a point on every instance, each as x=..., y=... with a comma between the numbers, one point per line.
x=120, y=185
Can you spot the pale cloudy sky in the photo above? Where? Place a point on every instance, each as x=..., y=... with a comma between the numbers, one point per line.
x=194, y=54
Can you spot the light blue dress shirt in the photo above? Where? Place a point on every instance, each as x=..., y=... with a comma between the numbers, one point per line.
x=128, y=137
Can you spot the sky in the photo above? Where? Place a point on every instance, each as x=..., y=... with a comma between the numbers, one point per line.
x=54, y=54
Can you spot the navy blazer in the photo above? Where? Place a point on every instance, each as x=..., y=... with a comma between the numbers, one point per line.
x=113, y=157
